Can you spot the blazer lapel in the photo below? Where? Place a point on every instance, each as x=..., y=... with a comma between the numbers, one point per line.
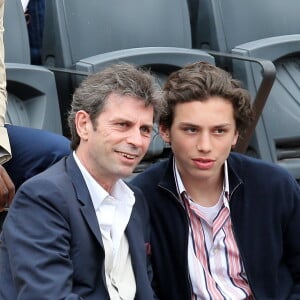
x=137, y=247
x=83, y=196
x=135, y=237
x=88, y=213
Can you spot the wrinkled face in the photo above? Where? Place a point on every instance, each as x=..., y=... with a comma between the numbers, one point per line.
x=120, y=140
x=201, y=136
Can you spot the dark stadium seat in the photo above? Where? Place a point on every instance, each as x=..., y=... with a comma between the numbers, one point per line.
x=86, y=36
x=277, y=135
x=32, y=94
x=268, y=30
x=223, y=25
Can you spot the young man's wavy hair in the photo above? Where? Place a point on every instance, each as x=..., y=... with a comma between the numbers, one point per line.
x=199, y=82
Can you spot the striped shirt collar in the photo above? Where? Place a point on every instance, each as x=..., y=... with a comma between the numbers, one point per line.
x=181, y=189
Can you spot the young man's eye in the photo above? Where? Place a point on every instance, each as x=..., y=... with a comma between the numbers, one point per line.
x=190, y=129
x=220, y=130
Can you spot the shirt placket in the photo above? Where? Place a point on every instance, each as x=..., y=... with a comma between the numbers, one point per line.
x=201, y=251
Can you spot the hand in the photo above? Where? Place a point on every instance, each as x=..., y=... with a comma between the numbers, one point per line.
x=7, y=189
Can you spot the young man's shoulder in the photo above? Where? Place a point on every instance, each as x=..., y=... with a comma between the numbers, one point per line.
x=251, y=167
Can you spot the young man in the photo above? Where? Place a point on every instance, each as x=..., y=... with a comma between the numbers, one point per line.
x=77, y=231
x=225, y=226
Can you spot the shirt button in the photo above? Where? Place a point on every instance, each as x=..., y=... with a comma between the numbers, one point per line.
x=215, y=251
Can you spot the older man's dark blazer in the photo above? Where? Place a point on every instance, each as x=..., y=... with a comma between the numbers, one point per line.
x=51, y=246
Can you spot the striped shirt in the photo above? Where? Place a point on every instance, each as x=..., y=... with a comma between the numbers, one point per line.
x=215, y=266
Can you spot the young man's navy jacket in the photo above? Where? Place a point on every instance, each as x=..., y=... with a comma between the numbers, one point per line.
x=265, y=212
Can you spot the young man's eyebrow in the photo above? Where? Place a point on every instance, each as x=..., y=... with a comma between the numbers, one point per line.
x=223, y=125
x=196, y=125
x=188, y=124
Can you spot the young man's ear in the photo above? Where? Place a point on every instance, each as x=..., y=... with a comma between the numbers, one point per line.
x=165, y=133
x=235, y=139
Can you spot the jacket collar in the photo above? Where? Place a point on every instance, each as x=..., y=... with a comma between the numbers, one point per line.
x=87, y=207
x=234, y=165
x=168, y=178
x=83, y=197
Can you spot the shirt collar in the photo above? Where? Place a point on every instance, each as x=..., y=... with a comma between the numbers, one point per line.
x=181, y=189
x=120, y=191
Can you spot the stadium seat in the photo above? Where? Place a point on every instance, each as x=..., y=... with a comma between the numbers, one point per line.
x=32, y=94
x=267, y=30
x=87, y=36
x=222, y=25
x=277, y=137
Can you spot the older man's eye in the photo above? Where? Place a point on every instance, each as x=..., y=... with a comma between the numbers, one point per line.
x=122, y=124
x=145, y=130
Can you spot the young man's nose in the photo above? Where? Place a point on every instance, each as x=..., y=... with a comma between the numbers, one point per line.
x=204, y=142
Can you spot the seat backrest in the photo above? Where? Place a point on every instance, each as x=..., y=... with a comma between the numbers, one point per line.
x=16, y=40
x=277, y=136
x=89, y=35
x=32, y=97
x=222, y=25
x=76, y=29
x=269, y=30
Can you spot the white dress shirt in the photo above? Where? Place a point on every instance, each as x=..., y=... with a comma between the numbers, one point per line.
x=113, y=212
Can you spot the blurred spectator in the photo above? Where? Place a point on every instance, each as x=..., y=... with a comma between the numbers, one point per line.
x=32, y=150
x=35, y=13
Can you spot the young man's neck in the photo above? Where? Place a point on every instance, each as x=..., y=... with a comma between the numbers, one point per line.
x=205, y=192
